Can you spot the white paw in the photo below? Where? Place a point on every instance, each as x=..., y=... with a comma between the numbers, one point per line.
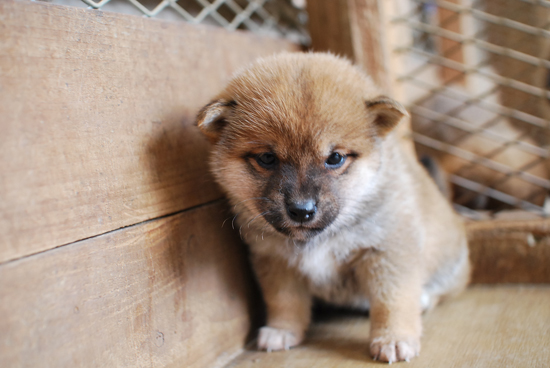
x=388, y=349
x=273, y=339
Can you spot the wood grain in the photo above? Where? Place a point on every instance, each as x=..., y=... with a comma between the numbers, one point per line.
x=173, y=292
x=370, y=40
x=487, y=327
x=351, y=28
x=510, y=251
x=97, y=113
x=329, y=27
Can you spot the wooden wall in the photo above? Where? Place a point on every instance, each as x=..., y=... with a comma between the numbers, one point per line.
x=112, y=250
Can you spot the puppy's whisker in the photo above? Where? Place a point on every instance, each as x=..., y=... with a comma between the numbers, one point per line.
x=266, y=225
x=224, y=221
x=240, y=232
x=250, y=221
x=233, y=221
x=255, y=217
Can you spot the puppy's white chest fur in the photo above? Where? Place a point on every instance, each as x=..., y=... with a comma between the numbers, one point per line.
x=319, y=265
x=328, y=266
x=331, y=277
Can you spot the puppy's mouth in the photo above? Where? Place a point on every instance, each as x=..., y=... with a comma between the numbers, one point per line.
x=299, y=233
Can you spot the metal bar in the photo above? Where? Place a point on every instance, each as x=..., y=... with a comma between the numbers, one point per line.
x=184, y=13
x=493, y=193
x=544, y=3
x=247, y=21
x=500, y=181
x=210, y=9
x=488, y=106
x=268, y=18
x=147, y=12
x=502, y=81
x=94, y=4
x=473, y=129
x=472, y=157
x=468, y=212
x=424, y=66
x=245, y=14
x=473, y=69
x=484, y=45
x=481, y=15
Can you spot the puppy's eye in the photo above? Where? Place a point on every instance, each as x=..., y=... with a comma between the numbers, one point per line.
x=335, y=160
x=267, y=160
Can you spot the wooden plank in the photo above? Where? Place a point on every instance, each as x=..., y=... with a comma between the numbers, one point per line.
x=173, y=292
x=487, y=327
x=351, y=28
x=370, y=40
x=329, y=27
x=97, y=119
x=510, y=251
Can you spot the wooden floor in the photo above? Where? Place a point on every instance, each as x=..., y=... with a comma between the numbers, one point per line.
x=488, y=326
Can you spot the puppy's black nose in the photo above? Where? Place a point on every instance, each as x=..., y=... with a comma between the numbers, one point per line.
x=302, y=211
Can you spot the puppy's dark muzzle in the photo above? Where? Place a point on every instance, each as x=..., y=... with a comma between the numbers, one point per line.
x=301, y=211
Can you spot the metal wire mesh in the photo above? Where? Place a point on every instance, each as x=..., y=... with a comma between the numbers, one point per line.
x=284, y=18
x=475, y=76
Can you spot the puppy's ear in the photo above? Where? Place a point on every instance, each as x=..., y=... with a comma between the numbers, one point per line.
x=386, y=113
x=211, y=119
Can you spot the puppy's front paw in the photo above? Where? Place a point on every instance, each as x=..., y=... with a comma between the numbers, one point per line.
x=393, y=349
x=273, y=339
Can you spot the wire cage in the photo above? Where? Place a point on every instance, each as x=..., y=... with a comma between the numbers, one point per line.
x=283, y=18
x=475, y=77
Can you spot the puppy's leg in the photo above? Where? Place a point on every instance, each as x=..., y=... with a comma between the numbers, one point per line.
x=395, y=291
x=448, y=284
x=288, y=305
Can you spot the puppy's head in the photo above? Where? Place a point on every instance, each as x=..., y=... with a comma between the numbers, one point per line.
x=296, y=141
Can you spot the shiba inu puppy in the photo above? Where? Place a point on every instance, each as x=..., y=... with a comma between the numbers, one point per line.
x=329, y=203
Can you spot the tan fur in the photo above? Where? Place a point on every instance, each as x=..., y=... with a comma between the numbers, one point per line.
x=382, y=237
